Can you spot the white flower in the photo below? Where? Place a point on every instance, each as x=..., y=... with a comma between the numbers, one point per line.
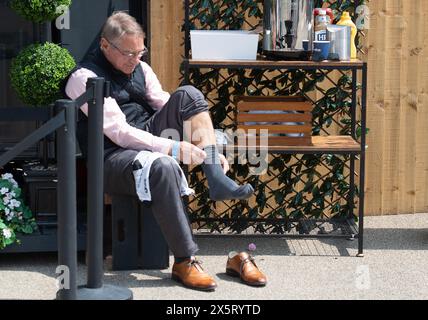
x=10, y=205
x=9, y=213
x=14, y=204
x=7, y=233
x=7, y=176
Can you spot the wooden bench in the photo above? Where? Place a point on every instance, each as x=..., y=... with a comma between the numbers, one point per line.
x=284, y=124
x=275, y=121
x=137, y=241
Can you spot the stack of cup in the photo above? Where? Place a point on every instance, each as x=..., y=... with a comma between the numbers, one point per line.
x=340, y=38
x=321, y=50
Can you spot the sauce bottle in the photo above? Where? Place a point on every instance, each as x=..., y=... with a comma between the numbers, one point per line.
x=346, y=20
x=329, y=12
x=321, y=23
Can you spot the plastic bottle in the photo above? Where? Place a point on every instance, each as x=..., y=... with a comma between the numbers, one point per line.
x=321, y=23
x=346, y=20
x=327, y=10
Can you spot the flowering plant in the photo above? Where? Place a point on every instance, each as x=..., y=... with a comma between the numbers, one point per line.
x=15, y=217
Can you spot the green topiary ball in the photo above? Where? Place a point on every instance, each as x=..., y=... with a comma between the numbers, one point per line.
x=37, y=72
x=39, y=10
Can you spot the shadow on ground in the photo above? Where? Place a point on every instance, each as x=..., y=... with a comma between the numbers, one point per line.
x=211, y=247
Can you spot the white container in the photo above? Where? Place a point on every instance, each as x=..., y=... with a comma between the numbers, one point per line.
x=340, y=39
x=223, y=45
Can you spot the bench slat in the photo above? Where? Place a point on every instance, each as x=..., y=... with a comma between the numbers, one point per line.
x=252, y=142
x=322, y=144
x=274, y=105
x=271, y=98
x=275, y=129
x=274, y=117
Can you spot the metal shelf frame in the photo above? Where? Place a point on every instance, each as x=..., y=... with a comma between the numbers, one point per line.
x=359, y=75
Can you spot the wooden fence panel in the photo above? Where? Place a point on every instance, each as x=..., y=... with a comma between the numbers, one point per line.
x=166, y=50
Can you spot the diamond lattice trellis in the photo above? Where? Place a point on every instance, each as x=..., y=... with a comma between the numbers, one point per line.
x=298, y=192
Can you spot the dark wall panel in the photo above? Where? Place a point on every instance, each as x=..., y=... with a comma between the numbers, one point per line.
x=15, y=34
x=87, y=19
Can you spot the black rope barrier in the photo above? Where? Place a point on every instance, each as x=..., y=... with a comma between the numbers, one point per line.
x=49, y=127
x=64, y=123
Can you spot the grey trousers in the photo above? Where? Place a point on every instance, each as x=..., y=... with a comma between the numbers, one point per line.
x=167, y=205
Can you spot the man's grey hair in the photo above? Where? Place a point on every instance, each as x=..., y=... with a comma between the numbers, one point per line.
x=119, y=24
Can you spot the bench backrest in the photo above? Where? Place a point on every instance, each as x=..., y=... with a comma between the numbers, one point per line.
x=285, y=121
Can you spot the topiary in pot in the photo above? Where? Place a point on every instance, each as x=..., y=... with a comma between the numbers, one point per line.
x=39, y=10
x=37, y=72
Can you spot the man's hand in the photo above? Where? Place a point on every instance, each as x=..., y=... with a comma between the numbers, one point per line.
x=224, y=163
x=191, y=154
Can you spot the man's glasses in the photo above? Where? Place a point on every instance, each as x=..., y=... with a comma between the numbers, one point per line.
x=128, y=54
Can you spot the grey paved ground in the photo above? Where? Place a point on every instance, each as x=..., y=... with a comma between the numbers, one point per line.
x=395, y=266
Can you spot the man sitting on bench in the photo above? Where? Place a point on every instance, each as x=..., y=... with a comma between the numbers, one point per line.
x=139, y=118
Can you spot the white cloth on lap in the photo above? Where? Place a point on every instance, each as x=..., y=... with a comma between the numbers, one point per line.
x=141, y=176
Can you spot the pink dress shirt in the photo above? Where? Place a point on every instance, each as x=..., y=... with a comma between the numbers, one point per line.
x=115, y=126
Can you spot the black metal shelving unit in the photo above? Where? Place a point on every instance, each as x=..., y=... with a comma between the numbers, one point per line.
x=355, y=147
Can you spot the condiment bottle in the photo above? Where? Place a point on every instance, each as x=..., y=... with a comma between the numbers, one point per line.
x=328, y=11
x=346, y=20
x=321, y=23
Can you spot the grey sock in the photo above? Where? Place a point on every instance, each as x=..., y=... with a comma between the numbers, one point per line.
x=221, y=186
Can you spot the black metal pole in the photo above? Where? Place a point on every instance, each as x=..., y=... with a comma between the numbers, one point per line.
x=354, y=104
x=95, y=290
x=186, y=72
x=351, y=198
x=95, y=183
x=186, y=29
x=66, y=196
x=362, y=162
x=186, y=41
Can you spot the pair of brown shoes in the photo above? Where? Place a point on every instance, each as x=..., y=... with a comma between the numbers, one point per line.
x=191, y=274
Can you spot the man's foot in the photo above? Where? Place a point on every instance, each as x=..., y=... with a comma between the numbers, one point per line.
x=230, y=191
x=242, y=265
x=191, y=275
x=221, y=186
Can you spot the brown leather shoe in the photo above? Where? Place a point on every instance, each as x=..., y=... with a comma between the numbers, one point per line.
x=191, y=275
x=242, y=265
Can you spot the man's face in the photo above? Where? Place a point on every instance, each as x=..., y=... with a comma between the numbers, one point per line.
x=124, y=54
